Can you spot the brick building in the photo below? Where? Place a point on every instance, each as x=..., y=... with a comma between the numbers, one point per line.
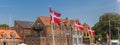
x=23, y=28
x=39, y=32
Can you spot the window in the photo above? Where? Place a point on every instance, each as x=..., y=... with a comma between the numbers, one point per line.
x=4, y=35
x=61, y=27
x=75, y=41
x=80, y=40
x=38, y=25
x=68, y=27
x=80, y=33
x=54, y=26
x=35, y=34
x=13, y=35
x=28, y=33
x=74, y=32
x=41, y=33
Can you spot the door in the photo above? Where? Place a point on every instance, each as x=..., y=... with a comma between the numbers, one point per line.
x=4, y=43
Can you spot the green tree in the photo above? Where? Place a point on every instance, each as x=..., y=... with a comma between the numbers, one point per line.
x=102, y=26
x=4, y=25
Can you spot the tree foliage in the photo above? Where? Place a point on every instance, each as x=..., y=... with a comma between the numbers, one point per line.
x=102, y=26
x=3, y=25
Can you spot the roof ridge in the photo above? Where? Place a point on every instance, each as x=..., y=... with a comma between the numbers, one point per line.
x=23, y=20
x=60, y=18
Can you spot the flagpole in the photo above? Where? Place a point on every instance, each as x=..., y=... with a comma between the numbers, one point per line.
x=110, y=33
x=53, y=33
x=52, y=24
x=9, y=22
x=53, y=15
x=77, y=37
x=52, y=28
x=76, y=34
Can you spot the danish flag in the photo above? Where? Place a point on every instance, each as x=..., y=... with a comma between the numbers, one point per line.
x=78, y=25
x=107, y=36
x=55, y=17
x=91, y=31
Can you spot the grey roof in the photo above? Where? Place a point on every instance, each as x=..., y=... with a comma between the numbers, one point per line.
x=24, y=24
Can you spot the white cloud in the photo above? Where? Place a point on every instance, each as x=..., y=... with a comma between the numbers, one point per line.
x=118, y=1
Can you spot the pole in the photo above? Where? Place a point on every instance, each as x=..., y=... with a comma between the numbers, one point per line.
x=118, y=35
x=71, y=36
x=9, y=22
x=53, y=34
x=81, y=37
x=77, y=37
x=52, y=24
x=110, y=33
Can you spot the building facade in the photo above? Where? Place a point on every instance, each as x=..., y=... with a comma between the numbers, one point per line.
x=39, y=32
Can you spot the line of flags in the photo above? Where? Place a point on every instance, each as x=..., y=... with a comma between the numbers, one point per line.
x=55, y=19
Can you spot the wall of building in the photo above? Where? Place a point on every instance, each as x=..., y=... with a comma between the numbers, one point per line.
x=9, y=41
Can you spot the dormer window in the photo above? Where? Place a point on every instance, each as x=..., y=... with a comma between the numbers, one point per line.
x=4, y=35
x=13, y=35
x=61, y=27
x=68, y=26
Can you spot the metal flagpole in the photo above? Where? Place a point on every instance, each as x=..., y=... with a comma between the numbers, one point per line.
x=110, y=33
x=118, y=35
x=53, y=34
x=77, y=37
x=81, y=38
x=9, y=22
x=52, y=24
x=77, y=34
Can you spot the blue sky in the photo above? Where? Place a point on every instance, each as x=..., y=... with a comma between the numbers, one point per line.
x=85, y=10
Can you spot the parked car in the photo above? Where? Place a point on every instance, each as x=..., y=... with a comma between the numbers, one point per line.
x=115, y=42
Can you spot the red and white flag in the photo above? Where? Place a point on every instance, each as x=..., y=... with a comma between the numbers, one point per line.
x=55, y=17
x=107, y=36
x=91, y=31
x=78, y=25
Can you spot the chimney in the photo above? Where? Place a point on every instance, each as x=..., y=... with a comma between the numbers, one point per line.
x=66, y=18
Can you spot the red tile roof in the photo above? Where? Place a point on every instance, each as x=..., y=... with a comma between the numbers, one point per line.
x=46, y=20
x=8, y=33
x=24, y=24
